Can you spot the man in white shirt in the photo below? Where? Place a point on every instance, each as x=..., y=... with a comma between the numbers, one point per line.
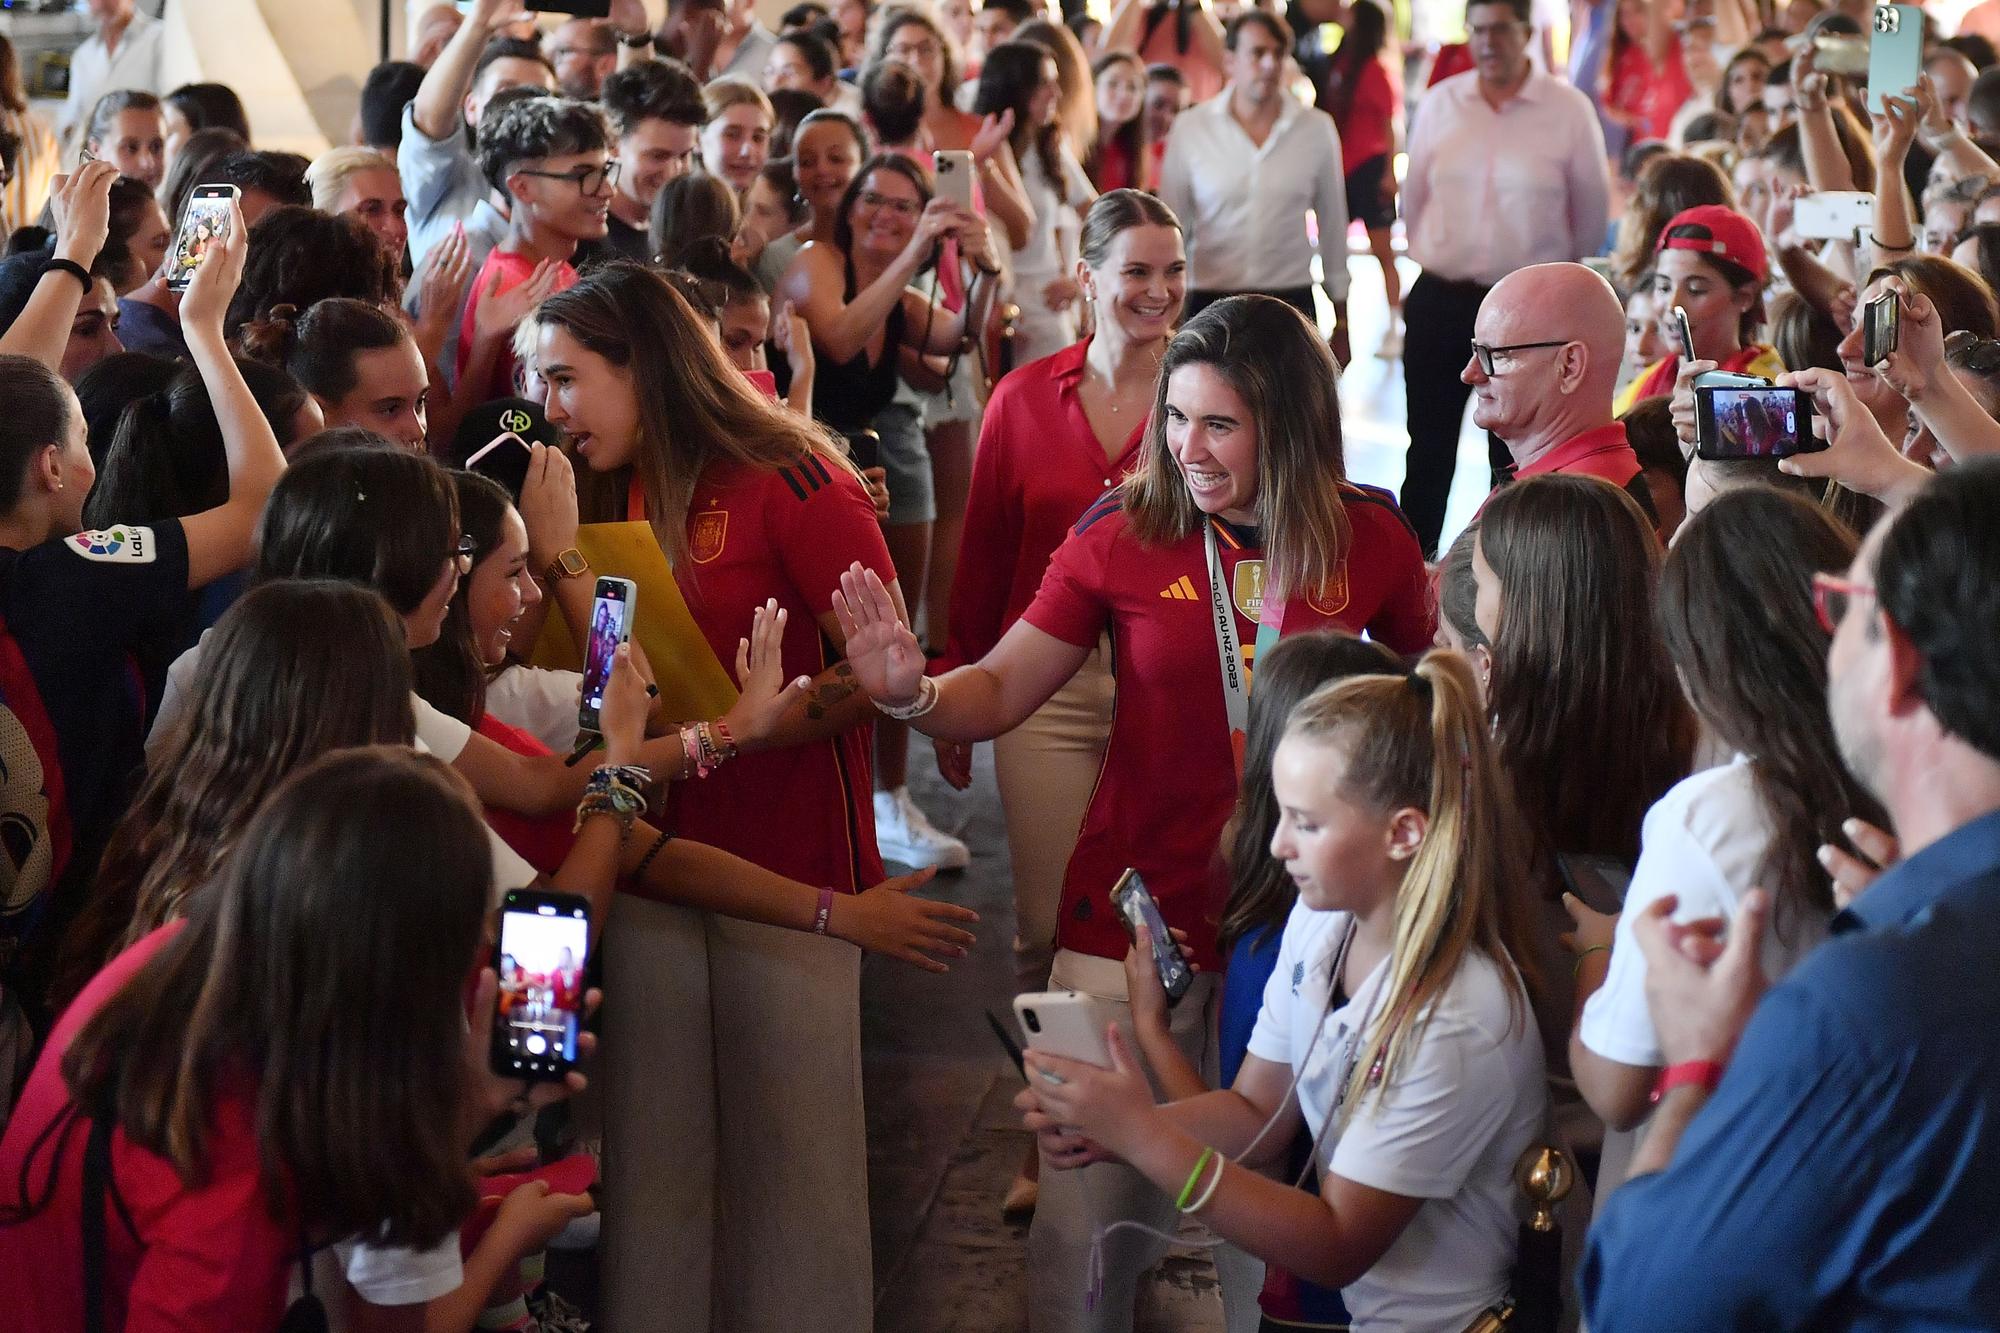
x=124, y=52
x=1243, y=170
x=1506, y=169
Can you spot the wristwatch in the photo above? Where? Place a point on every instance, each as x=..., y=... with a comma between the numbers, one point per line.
x=568, y=564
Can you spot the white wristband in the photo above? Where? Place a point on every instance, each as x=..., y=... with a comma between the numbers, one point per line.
x=927, y=697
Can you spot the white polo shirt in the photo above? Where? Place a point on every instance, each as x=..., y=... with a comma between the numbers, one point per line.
x=1704, y=842
x=1469, y=1099
x=1244, y=204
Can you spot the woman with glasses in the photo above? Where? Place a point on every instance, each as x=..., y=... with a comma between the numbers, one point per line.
x=551, y=157
x=1736, y=612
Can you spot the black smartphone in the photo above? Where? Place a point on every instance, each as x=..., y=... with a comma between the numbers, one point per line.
x=1881, y=328
x=1135, y=904
x=544, y=945
x=611, y=607
x=1686, y=331
x=864, y=447
x=1732, y=423
x=205, y=222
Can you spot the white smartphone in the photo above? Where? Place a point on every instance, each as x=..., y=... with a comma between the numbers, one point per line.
x=1065, y=1023
x=206, y=221
x=1833, y=215
x=611, y=607
x=953, y=169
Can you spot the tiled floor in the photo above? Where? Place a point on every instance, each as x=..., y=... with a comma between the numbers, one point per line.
x=943, y=1140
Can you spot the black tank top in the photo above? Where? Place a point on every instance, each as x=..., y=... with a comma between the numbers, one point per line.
x=847, y=394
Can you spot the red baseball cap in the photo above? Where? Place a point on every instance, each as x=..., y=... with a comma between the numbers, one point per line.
x=1712, y=229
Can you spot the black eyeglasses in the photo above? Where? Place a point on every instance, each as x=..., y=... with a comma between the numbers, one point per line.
x=590, y=180
x=1486, y=354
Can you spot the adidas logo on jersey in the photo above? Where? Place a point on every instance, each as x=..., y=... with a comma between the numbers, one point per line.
x=1181, y=590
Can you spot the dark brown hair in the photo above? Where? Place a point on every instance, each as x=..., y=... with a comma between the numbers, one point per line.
x=1736, y=612
x=450, y=674
x=1668, y=185
x=1590, y=722
x=1281, y=368
x=319, y=347
x=327, y=965
x=1962, y=298
x=694, y=407
x=687, y=209
x=300, y=257
x=291, y=672
x=384, y=518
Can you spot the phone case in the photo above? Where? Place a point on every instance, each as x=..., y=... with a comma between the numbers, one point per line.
x=954, y=176
x=1895, y=52
x=1064, y=1023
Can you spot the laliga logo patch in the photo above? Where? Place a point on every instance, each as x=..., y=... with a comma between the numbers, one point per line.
x=115, y=546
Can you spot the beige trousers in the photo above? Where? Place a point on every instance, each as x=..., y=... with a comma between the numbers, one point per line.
x=1046, y=769
x=735, y=1153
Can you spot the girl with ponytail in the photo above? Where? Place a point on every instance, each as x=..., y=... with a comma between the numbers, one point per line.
x=1396, y=1013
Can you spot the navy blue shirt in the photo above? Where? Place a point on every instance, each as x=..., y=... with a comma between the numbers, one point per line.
x=1846, y=1174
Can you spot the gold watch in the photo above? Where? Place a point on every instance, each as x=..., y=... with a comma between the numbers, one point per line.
x=568, y=564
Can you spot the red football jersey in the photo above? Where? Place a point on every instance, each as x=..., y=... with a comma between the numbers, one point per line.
x=1168, y=783
x=806, y=811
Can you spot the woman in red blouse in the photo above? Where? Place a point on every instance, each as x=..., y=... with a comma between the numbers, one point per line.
x=1237, y=525
x=1645, y=82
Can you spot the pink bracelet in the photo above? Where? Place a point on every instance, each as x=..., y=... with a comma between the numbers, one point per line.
x=825, y=913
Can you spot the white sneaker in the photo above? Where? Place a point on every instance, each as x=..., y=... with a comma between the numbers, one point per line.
x=1392, y=344
x=908, y=838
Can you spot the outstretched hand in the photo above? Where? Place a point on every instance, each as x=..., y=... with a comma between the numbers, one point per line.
x=766, y=696
x=885, y=655
x=890, y=920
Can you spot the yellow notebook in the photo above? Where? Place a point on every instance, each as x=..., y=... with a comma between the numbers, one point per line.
x=692, y=683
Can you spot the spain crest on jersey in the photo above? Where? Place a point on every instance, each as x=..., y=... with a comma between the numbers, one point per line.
x=707, y=534
x=1331, y=599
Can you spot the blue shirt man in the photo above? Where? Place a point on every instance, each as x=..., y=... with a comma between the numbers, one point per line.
x=1845, y=1173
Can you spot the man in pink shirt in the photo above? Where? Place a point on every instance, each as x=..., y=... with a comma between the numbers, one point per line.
x=1506, y=169
x=1544, y=365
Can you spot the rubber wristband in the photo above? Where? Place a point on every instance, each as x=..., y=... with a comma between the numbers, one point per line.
x=1214, y=1182
x=1194, y=1178
x=74, y=269
x=1704, y=1074
x=825, y=912
x=1577, y=970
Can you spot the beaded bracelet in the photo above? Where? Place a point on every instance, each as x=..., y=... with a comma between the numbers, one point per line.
x=639, y=871
x=927, y=699
x=619, y=805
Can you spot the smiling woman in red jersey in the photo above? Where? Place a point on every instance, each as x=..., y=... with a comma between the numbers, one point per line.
x=1238, y=524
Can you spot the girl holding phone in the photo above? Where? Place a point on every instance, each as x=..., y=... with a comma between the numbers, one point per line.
x=1711, y=262
x=1395, y=1012
x=1237, y=524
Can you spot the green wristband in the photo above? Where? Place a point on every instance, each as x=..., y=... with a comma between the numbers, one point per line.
x=1187, y=1190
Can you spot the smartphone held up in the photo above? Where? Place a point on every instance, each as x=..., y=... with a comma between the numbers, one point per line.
x=210, y=212
x=544, y=946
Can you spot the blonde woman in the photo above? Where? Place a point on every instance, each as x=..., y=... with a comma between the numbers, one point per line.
x=1395, y=1012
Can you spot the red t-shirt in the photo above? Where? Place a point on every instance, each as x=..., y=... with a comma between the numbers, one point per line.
x=1169, y=778
x=207, y=1257
x=1039, y=466
x=543, y=841
x=513, y=270
x=806, y=811
x=1452, y=58
x=1367, y=130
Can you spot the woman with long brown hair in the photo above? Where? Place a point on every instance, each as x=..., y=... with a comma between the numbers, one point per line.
x=289, y=1067
x=747, y=501
x=1737, y=614
x=1237, y=525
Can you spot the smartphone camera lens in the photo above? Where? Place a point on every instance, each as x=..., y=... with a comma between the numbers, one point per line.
x=1028, y=1017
